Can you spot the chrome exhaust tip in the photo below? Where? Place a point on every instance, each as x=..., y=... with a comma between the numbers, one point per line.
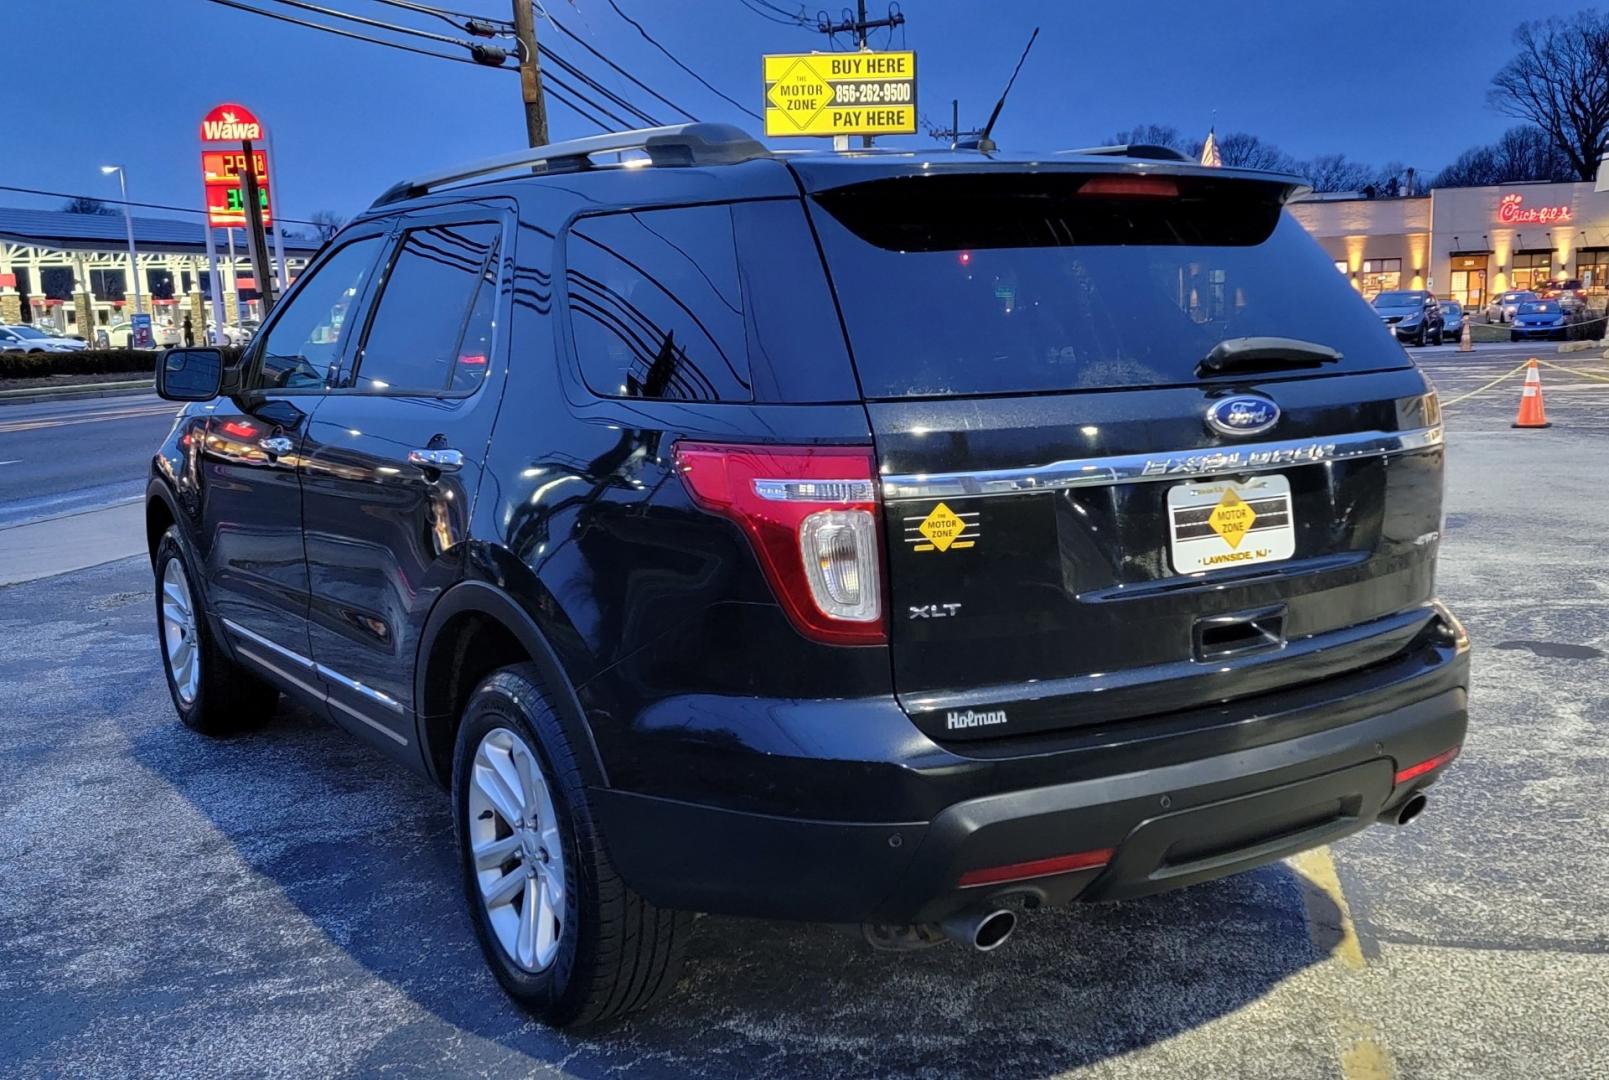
x=1412, y=808
x=981, y=929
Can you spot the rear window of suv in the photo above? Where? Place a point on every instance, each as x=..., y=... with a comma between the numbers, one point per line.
x=1026, y=282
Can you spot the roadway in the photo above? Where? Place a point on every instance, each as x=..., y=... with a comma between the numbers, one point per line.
x=63, y=457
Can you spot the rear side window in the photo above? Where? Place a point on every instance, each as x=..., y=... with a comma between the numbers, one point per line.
x=1023, y=282
x=722, y=303
x=433, y=312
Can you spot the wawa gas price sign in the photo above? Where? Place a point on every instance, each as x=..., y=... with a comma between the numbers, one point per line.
x=864, y=93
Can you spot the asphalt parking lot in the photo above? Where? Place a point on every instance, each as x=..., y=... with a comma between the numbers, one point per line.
x=285, y=904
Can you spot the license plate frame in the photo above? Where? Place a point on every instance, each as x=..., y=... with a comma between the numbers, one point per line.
x=1222, y=524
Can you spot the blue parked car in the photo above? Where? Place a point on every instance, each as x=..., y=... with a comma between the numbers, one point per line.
x=1540, y=319
x=1452, y=312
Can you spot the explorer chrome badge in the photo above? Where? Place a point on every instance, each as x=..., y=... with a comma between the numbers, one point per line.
x=1242, y=414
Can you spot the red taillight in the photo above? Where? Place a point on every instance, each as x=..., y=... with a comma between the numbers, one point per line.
x=1154, y=186
x=240, y=429
x=811, y=514
x=1427, y=765
x=1059, y=864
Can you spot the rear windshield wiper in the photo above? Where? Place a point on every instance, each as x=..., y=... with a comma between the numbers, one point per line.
x=1265, y=354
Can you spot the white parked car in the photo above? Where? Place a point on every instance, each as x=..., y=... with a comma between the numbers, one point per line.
x=121, y=335
x=15, y=338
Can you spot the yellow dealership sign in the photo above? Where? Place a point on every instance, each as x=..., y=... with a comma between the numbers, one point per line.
x=861, y=93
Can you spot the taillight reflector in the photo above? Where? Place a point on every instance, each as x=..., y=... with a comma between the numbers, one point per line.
x=1059, y=864
x=1427, y=765
x=1153, y=186
x=811, y=514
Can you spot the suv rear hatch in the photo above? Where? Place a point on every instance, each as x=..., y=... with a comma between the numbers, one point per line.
x=1070, y=541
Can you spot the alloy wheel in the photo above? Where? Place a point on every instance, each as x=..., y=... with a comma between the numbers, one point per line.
x=179, y=631
x=517, y=848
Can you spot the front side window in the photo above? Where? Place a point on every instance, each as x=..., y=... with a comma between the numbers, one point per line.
x=420, y=334
x=306, y=337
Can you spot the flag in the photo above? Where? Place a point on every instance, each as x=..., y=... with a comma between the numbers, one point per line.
x=1209, y=151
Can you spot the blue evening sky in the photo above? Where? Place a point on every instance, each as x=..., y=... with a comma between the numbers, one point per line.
x=127, y=81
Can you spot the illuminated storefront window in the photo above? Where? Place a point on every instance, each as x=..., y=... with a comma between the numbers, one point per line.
x=1468, y=282
x=1379, y=275
x=1592, y=267
x=1531, y=269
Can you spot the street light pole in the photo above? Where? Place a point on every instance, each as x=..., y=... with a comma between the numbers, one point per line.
x=128, y=226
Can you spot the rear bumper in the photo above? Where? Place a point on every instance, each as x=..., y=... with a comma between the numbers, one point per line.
x=1165, y=826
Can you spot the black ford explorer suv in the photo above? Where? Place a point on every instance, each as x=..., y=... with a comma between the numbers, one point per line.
x=889, y=539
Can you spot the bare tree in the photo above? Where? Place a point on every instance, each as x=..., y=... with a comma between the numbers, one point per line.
x=1245, y=151
x=83, y=204
x=1559, y=81
x=1151, y=135
x=1523, y=152
x=1333, y=172
x=326, y=223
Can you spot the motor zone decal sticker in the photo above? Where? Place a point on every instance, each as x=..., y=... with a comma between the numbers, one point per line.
x=942, y=529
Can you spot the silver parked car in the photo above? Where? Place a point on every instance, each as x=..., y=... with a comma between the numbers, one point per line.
x=14, y=338
x=1503, y=307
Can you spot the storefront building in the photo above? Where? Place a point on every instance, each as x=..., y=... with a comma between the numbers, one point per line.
x=1467, y=244
x=70, y=272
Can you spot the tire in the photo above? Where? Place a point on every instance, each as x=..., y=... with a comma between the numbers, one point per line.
x=1437, y=340
x=220, y=697
x=612, y=953
x=1513, y=336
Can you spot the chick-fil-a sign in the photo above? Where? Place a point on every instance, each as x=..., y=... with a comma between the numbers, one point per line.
x=1510, y=212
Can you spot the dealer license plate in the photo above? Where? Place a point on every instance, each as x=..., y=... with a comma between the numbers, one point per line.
x=1221, y=523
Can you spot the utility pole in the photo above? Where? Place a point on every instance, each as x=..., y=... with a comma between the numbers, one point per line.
x=536, y=112
x=858, y=27
x=953, y=134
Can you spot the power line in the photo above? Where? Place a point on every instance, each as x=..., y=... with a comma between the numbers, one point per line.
x=130, y=202
x=567, y=32
x=547, y=77
x=444, y=14
x=554, y=58
x=675, y=60
x=345, y=33
x=364, y=20
x=772, y=13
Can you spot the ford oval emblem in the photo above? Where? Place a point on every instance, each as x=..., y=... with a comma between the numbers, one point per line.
x=1242, y=414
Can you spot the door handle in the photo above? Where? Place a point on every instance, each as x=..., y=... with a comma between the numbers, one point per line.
x=440, y=460
x=276, y=444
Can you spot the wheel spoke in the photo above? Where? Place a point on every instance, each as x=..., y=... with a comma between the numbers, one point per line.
x=503, y=764
x=506, y=887
x=530, y=931
x=543, y=947
x=494, y=853
x=528, y=782
x=491, y=785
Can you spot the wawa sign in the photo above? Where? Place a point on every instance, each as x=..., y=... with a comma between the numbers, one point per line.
x=230, y=123
x=1511, y=212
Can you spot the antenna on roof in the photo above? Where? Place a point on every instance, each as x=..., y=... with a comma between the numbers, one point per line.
x=983, y=142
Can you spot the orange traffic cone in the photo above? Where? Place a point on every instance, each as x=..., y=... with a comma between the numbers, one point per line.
x=1531, y=414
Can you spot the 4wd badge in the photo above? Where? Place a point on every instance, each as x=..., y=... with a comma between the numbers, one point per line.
x=942, y=529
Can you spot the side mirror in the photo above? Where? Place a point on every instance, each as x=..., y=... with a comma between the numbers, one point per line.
x=189, y=374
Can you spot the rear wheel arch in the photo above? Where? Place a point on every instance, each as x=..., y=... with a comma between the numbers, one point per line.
x=474, y=630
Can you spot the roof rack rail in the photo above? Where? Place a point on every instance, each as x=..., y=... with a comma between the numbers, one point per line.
x=1134, y=150
x=676, y=144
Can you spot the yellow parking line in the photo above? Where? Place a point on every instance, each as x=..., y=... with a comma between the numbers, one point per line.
x=1331, y=930
x=1364, y=1054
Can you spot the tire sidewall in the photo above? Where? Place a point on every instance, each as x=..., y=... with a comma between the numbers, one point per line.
x=168, y=548
x=507, y=700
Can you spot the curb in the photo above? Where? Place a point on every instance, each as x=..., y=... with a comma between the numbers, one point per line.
x=34, y=394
